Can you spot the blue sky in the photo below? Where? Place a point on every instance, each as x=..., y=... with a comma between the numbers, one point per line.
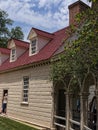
x=47, y=15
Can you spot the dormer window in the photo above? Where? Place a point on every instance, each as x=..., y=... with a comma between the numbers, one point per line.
x=13, y=54
x=33, y=46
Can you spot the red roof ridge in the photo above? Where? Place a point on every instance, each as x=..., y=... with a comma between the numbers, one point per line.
x=43, y=33
x=20, y=43
x=42, y=30
x=20, y=40
x=61, y=29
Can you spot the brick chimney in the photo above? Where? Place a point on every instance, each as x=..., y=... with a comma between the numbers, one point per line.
x=74, y=9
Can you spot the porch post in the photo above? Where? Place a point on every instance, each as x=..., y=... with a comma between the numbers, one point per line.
x=67, y=112
x=96, y=93
x=53, y=108
x=83, y=109
x=70, y=106
x=81, y=113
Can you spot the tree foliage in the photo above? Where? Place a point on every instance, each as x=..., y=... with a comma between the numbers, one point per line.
x=81, y=54
x=16, y=33
x=5, y=29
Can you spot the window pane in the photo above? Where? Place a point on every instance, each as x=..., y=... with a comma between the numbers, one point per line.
x=25, y=86
x=33, y=46
x=13, y=51
x=13, y=54
x=25, y=89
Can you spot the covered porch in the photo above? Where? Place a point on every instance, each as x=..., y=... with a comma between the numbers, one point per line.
x=76, y=108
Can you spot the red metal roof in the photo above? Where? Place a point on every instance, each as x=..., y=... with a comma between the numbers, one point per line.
x=44, y=54
x=5, y=50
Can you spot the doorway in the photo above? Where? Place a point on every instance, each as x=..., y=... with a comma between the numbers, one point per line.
x=61, y=103
x=4, y=100
x=5, y=91
x=60, y=121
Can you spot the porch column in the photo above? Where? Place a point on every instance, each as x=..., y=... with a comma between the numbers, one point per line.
x=70, y=106
x=53, y=108
x=67, y=111
x=96, y=93
x=83, y=110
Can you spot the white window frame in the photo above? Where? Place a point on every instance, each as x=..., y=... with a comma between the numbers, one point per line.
x=25, y=93
x=13, y=54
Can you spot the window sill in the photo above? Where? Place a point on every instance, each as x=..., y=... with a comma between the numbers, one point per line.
x=25, y=103
x=31, y=54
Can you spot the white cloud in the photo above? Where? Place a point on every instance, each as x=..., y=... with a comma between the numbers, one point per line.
x=30, y=12
x=48, y=3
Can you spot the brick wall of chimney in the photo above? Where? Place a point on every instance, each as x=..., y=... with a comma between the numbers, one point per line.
x=74, y=9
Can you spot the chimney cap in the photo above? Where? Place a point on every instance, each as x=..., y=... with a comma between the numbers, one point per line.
x=79, y=2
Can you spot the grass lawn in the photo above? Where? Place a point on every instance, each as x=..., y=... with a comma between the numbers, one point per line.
x=8, y=124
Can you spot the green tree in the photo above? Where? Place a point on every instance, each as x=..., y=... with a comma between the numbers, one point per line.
x=5, y=31
x=16, y=33
x=80, y=55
